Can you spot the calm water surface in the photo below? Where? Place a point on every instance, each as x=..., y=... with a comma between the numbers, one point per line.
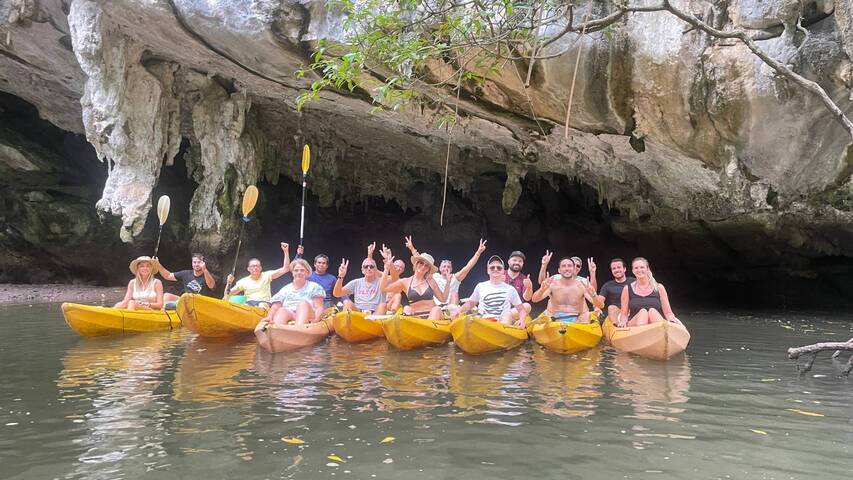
x=169, y=405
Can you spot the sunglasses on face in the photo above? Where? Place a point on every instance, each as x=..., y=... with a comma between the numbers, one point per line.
x=420, y=262
x=368, y=266
x=496, y=268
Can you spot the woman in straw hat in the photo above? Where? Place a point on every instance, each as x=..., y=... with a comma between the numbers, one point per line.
x=420, y=288
x=143, y=292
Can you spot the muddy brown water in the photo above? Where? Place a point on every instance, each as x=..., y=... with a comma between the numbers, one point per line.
x=170, y=405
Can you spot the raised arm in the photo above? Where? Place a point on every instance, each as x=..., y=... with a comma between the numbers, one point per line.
x=370, y=249
x=166, y=274
x=285, y=266
x=544, y=290
x=461, y=274
x=411, y=246
x=338, y=290
x=208, y=278
x=592, y=269
x=528, y=288
x=388, y=264
x=543, y=273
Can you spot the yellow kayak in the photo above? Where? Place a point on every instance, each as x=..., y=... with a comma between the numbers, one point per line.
x=658, y=341
x=212, y=317
x=408, y=333
x=475, y=335
x=356, y=327
x=91, y=321
x=562, y=337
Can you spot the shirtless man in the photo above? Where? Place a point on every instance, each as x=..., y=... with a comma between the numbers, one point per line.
x=566, y=295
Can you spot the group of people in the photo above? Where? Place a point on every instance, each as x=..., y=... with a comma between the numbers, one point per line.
x=429, y=292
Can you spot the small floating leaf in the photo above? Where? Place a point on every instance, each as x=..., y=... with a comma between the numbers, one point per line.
x=804, y=412
x=387, y=440
x=336, y=458
x=760, y=432
x=292, y=440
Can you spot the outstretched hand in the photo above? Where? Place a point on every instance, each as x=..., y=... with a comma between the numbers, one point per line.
x=285, y=247
x=409, y=244
x=370, y=249
x=547, y=257
x=386, y=253
x=482, y=247
x=590, y=262
x=342, y=270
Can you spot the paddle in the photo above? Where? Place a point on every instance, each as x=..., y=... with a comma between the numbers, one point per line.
x=250, y=198
x=306, y=162
x=162, y=213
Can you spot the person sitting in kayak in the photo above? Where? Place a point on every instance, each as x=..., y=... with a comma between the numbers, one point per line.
x=256, y=286
x=578, y=266
x=322, y=277
x=566, y=295
x=611, y=292
x=420, y=288
x=365, y=290
x=445, y=273
x=514, y=277
x=396, y=300
x=300, y=301
x=496, y=298
x=144, y=292
x=198, y=280
x=644, y=301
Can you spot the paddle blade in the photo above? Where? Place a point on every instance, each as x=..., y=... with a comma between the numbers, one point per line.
x=250, y=198
x=163, y=209
x=306, y=159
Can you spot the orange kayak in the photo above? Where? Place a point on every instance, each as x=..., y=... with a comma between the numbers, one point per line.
x=212, y=317
x=658, y=341
x=283, y=338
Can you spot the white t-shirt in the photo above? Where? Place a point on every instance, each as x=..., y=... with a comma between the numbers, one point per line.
x=441, y=281
x=495, y=298
x=290, y=296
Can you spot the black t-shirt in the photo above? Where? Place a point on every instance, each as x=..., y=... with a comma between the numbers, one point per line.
x=612, y=292
x=193, y=284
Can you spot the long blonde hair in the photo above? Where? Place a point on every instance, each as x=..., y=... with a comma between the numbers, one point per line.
x=652, y=280
x=141, y=285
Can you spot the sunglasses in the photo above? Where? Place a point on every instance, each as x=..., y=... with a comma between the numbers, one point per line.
x=368, y=266
x=420, y=262
x=496, y=268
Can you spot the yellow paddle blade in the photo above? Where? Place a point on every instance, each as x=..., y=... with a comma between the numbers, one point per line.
x=250, y=198
x=163, y=209
x=306, y=159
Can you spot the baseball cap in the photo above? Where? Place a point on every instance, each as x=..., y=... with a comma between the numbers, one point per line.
x=495, y=258
x=517, y=253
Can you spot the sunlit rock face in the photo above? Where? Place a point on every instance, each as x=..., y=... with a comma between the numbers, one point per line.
x=673, y=135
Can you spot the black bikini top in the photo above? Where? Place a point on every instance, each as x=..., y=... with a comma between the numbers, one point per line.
x=414, y=296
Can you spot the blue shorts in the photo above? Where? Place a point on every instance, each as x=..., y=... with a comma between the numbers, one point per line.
x=565, y=317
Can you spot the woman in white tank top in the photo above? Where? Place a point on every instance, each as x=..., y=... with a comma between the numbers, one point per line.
x=144, y=292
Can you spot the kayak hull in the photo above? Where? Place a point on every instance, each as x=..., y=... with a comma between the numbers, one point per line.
x=566, y=338
x=355, y=327
x=212, y=317
x=91, y=321
x=656, y=341
x=409, y=333
x=284, y=338
x=476, y=336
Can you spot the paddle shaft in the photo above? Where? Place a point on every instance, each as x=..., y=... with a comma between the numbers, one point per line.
x=236, y=254
x=157, y=246
x=302, y=220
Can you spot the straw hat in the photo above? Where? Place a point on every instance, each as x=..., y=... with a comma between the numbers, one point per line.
x=425, y=257
x=155, y=264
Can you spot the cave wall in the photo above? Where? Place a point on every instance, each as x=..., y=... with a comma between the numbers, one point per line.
x=683, y=148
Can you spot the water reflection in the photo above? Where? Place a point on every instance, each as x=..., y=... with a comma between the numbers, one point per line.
x=211, y=370
x=119, y=377
x=293, y=380
x=415, y=379
x=656, y=390
x=568, y=385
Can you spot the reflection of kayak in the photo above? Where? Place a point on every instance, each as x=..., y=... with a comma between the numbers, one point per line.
x=477, y=335
x=658, y=341
x=212, y=317
x=354, y=327
x=90, y=321
x=210, y=370
x=281, y=338
x=562, y=337
x=407, y=333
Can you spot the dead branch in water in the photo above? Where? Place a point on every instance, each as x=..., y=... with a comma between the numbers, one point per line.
x=815, y=349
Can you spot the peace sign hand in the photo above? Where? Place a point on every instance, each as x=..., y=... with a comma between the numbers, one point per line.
x=342, y=270
x=547, y=257
x=482, y=247
x=590, y=262
x=370, y=249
